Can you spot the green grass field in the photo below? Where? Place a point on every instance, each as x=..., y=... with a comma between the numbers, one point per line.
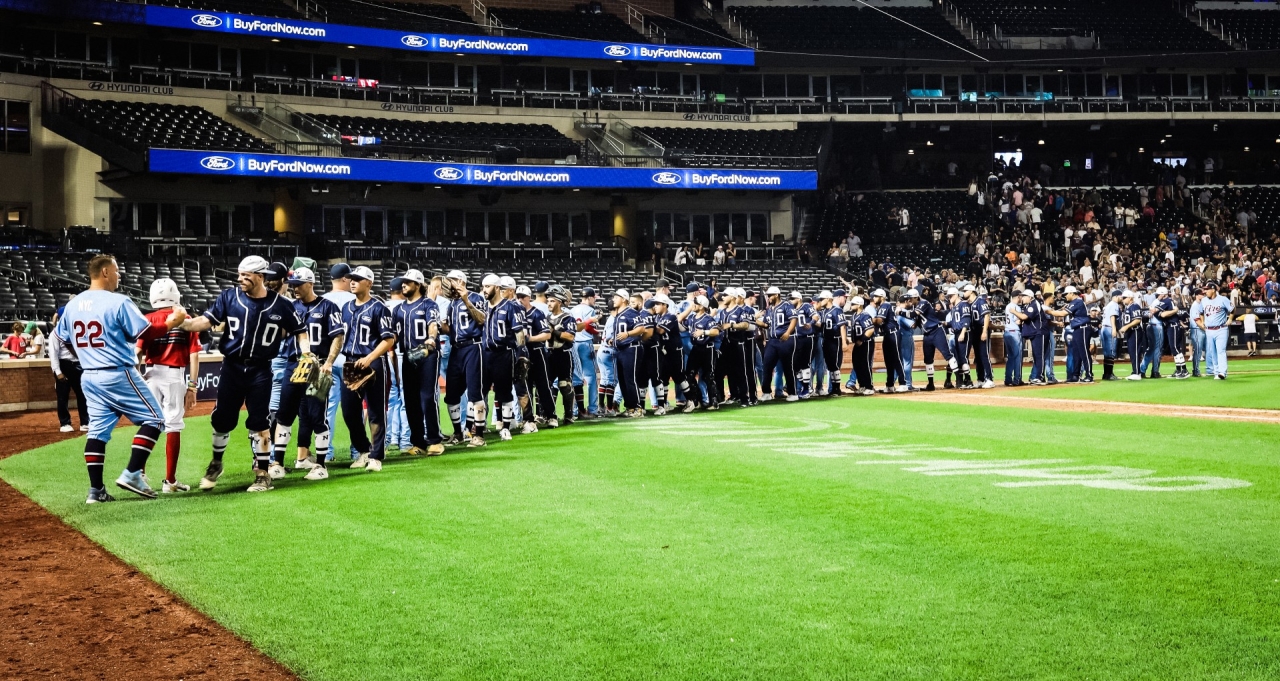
x=857, y=538
x=1251, y=384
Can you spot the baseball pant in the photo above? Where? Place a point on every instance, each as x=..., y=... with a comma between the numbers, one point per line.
x=832, y=359
x=1108, y=344
x=169, y=385
x=540, y=382
x=1215, y=348
x=374, y=395
x=630, y=362
x=1154, y=347
x=586, y=378
x=1079, y=351
x=734, y=369
x=1037, y=356
x=907, y=354
x=892, y=360
x=112, y=393
x=781, y=353
x=670, y=369
x=277, y=380
x=818, y=364
x=803, y=362
x=1134, y=339
x=702, y=365
x=242, y=385
x=981, y=355
x=962, y=352
x=1051, y=351
x=861, y=361
x=935, y=340
x=421, y=404
x=499, y=375
x=72, y=373
x=397, y=417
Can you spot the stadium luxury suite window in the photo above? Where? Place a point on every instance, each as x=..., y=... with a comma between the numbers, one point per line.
x=16, y=138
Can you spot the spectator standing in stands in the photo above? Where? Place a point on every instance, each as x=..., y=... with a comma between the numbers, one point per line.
x=15, y=346
x=731, y=254
x=66, y=373
x=35, y=340
x=659, y=253
x=718, y=259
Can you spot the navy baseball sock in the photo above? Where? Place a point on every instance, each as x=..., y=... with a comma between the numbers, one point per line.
x=577, y=398
x=143, y=442
x=95, y=454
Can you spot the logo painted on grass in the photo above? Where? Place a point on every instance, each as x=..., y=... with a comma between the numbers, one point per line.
x=206, y=20
x=217, y=163
x=1018, y=472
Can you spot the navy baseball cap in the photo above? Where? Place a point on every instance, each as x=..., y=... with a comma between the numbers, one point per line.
x=279, y=272
x=588, y=292
x=340, y=271
x=838, y=292
x=648, y=304
x=692, y=286
x=662, y=283
x=396, y=284
x=540, y=287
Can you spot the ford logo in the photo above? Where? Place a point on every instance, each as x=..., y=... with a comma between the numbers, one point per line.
x=217, y=163
x=448, y=174
x=206, y=20
x=666, y=178
x=617, y=50
x=415, y=41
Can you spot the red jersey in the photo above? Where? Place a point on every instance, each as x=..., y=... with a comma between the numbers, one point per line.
x=169, y=349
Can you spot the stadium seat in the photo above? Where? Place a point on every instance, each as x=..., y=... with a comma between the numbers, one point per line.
x=139, y=125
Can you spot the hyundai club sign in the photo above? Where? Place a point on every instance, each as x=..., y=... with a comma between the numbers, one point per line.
x=189, y=162
x=242, y=24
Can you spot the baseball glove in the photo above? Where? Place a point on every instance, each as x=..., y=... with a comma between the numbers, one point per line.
x=416, y=355
x=522, y=368
x=354, y=378
x=306, y=370
x=320, y=386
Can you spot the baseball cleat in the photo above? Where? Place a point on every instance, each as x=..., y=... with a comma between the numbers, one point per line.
x=261, y=483
x=98, y=495
x=660, y=411
x=793, y=398
x=987, y=385
x=66, y=429
x=1133, y=377
x=504, y=435
x=135, y=482
x=1181, y=376
x=689, y=406
x=435, y=450
x=763, y=398
x=373, y=466
x=476, y=441
x=361, y=461
x=304, y=464
x=566, y=421
x=211, y=475
x=453, y=440
x=276, y=471
x=712, y=407
x=1220, y=377
x=317, y=473
x=167, y=487
x=529, y=427
x=902, y=389
x=553, y=422
x=84, y=429
x=413, y=451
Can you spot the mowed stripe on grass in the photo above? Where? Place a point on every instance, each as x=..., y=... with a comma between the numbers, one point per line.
x=1252, y=384
x=671, y=548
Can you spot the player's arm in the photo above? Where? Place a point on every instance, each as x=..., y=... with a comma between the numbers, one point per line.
x=986, y=324
x=476, y=313
x=541, y=337
x=566, y=335
x=193, y=375
x=791, y=329
x=197, y=324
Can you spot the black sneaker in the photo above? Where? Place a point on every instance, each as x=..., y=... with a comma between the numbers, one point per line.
x=98, y=495
x=453, y=440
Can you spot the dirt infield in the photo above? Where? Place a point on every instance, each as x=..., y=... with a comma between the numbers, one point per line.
x=73, y=611
x=994, y=398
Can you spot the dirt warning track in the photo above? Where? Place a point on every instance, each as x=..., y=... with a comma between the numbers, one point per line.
x=993, y=398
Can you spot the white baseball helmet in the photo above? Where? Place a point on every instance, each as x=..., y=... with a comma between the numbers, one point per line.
x=164, y=293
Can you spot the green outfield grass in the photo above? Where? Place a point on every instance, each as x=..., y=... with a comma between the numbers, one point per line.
x=1251, y=383
x=787, y=541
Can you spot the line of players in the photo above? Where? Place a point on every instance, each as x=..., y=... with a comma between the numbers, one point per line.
x=524, y=347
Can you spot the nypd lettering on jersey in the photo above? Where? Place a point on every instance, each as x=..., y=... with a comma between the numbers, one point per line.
x=255, y=326
x=366, y=326
x=412, y=320
x=463, y=329
x=323, y=320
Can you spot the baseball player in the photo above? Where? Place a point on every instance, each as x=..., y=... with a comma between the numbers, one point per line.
x=585, y=380
x=533, y=321
x=735, y=322
x=257, y=320
x=1110, y=335
x=101, y=327
x=274, y=280
x=172, y=359
x=960, y=320
x=1164, y=312
x=887, y=324
x=464, y=324
x=1176, y=336
x=1195, y=315
x=370, y=334
x=1131, y=320
x=703, y=330
x=1013, y=317
x=780, y=348
x=1217, y=313
x=606, y=361
x=1035, y=332
x=416, y=323
x=979, y=335
x=1077, y=320
x=340, y=294
x=807, y=321
x=931, y=312
x=834, y=327
x=862, y=331
x=537, y=333
x=670, y=355
x=629, y=332
x=324, y=325
x=907, y=323
x=503, y=333
x=559, y=348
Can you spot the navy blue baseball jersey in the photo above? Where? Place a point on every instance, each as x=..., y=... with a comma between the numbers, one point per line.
x=628, y=320
x=859, y=326
x=978, y=311
x=702, y=322
x=1033, y=325
x=412, y=320
x=535, y=323
x=324, y=322
x=566, y=323
x=463, y=330
x=959, y=315
x=926, y=315
x=366, y=326
x=833, y=323
x=1129, y=314
x=649, y=320
x=1079, y=313
x=501, y=325
x=255, y=326
x=1162, y=305
x=888, y=317
x=804, y=320
x=779, y=319
x=749, y=315
x=670, y=327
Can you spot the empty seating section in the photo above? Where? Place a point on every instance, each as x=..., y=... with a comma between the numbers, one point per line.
x=267, y=8
x=140, y=125
x=1254, y=29
x=1140, y=24
x=755, y=274
x=531, y=140
x=718, y=147
x=536, y=23
x=690, y=31
x=844, y=29
x=402, y=16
